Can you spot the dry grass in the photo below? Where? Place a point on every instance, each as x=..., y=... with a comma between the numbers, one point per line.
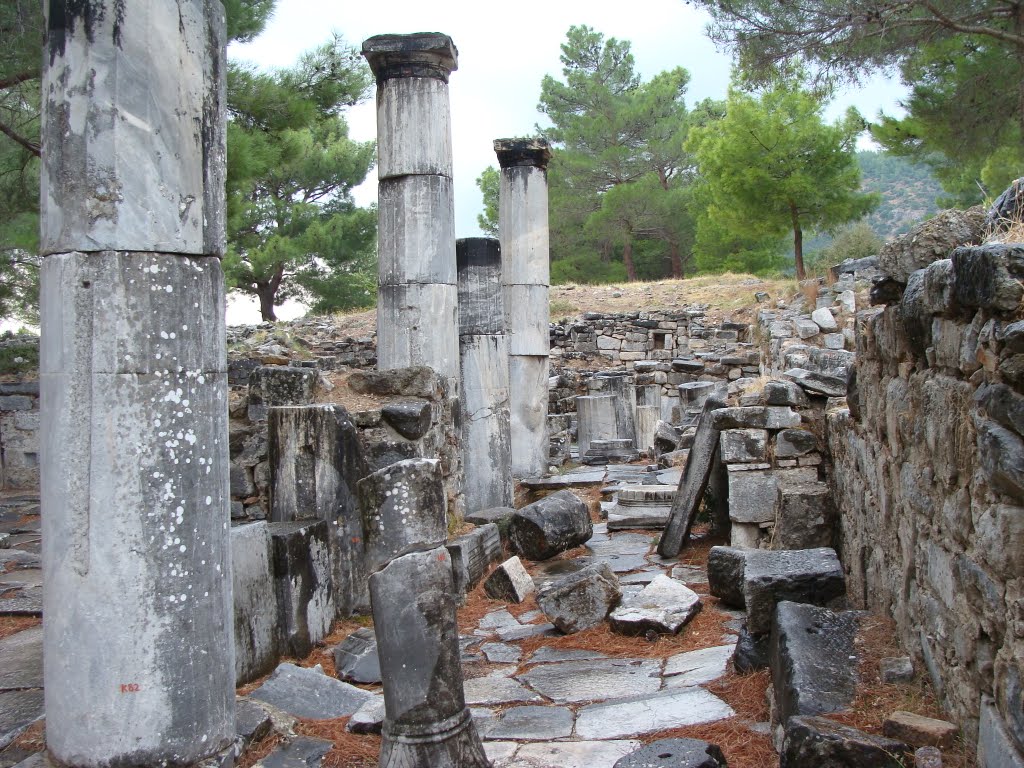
x=350, y=750
x=11, y=625
x=741, y=747
x=33, y=738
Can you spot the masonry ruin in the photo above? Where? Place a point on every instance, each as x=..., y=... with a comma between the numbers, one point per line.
x=855, y=453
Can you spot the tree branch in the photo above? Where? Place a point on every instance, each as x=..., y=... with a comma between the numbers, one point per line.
x=21, y=77
x=20, y=140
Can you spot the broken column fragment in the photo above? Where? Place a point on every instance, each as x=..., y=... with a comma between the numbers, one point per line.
x=427, y=722
x=417, y=321
x=596, y=420
x=483, y=349
x=582, y=599
x=133, y=384
x=523, y=226
x=554, y=524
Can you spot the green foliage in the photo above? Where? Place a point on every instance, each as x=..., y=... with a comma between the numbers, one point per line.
x=489, y=183
x=619, y=171
x=854, y=241
x=587, y=269
x=772, y=165
x=906, y=192
x=291, y=170
x=16, y=357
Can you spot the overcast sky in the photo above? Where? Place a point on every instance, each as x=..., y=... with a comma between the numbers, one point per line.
x=504, y=52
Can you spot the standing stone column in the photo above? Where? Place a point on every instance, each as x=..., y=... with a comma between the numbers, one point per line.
x=417, y=322
x=427, y=723
x=138, y=642
x=523, y=224
x=483, y=348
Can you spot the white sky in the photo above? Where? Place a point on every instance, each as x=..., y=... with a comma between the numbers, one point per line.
x=504, y=52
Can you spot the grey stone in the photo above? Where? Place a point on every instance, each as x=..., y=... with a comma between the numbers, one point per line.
x=497, y=688
x=497, y=515
x=582, y=478
x=548, y=654
x=804, y=328
x=753, y=497
x=927, y=757
x=751, y=652
x=523, y=631
x=817, y=383
x=694, y=480
x=302, y=582
x=486, y=421
x=806, y=517
x=824, y=319
x=1001, y=455
x=355, y=658
x=410, y=418
x=989, y=276
x=812, y=576
x=675, y=753
x=501, y=653
x=623, y=553
x=481, y=302
x=414, y=619
x=552, y=525
x=18, y=710
x=697, y=667
x=533, y=723
x=573, y=754
x=755, y=417
x=411, y=381
x=574, y=681
x=896, y=669
x=498, y=619
x=930, y=240
x=995, y=746
x=309, y=693
x=258, y=637
x=272, y=385
x=834, y=340
x=664, y=606
x=581, y=600
x=472, y=554
x=744, y=445
x=790, y=443
x=16, y=403
x=651, y=713
x=22, y=655
x=509, y=581
x=21, y=606
x=300, y=752
x=816, y=741
x=369, y=718
x=782, y=392
x=1003, y=405
x=812, y=659
x=252, y=722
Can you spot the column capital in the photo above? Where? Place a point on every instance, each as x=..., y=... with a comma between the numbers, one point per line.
x=421, y=54
x=529, y=152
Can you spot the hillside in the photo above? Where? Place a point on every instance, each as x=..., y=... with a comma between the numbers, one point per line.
x=908, y=192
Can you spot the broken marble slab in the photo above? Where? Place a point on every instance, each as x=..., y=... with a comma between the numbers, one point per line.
x=300, y=751
x=575, y=681
x=523, y=631
x=623, y=553
x=22, y=655
x=498, y=619
x=510, y=582
x=497, y=688
x=369, y=718
x=533, y=723
x=646, y=714
x=697, y=667
x=663, y=606
x=580, y=600
x=309, y=693
x=675, y=753
x=501, y=653
x=569, y=754
x=547, y=655
x=18, y=710
x=356, y=659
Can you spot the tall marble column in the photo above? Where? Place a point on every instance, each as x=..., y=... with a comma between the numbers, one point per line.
x=138, y=642
x=417, y=307
x=483, y=348
x=523, y=225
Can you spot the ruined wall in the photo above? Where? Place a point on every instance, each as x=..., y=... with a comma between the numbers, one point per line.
x=929, y=481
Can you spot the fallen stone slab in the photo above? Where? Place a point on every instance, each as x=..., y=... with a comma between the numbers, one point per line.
x=533, y=723
x=369, y=718
x=812, y=576
x=552, y=525
x=472, y=554
x=252, y=722
x=726, y=567
x=697, y=667
x=575, y=681
x=497, y=688
x=523, y=631
x=22, y=655
x=813, y=660
x=498, y=619
x=817, y=383
x=18, y=710
x=805, y=516
x=581, y=600
x=755, y=417
x=675, y=753
x=21, y=606
x=812, y=742
x=356, y=659
x=497, y=515
x=501, y=653
x=300, y=752
x=571, y=754
x=919, y=731
x=751, y=652
x=548, y=655
x=663, y=606
x=510, y=582
x=896, y=669
x=568, y=480
x=309, y=693
x=647, y=714
x=622, y=553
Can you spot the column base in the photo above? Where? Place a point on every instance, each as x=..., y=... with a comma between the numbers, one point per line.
x=452, y=743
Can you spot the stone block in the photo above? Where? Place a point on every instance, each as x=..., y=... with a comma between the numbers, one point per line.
x=743, y=445
x=472, y=554
x=790, y=443
x=806, y=517
x=824, y=319
x=995, y=746
x=310, y=694
x=812, y=576
x=651, y=713
x=834, y=341
x=932, y=239
x=412, y=381
x=272, y=385
x=302, y=581
x=356, y=659
x=726, y=567
x=919, y=731
x=582, y=599
x=510, y=582
x=1001, y=456
x=755, y=417
x=782, y=392
x=410, y=418
x=753, y=497
x=257, y=637
x=989, y=276
x=896, y=669
x=674, y=753
x=417, y=238
x=554, y=524
x=497, y=515
x=816, y=741
x=813, y=660
x=664, y=606
x=817, y=383
x=751, y=652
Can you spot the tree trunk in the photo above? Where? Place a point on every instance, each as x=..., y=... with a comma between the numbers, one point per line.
x=676, y=260
x=798, y=244
x=265, y=292
x=627, y=256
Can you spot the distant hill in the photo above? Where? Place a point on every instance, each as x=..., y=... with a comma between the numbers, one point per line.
x=908, y=192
